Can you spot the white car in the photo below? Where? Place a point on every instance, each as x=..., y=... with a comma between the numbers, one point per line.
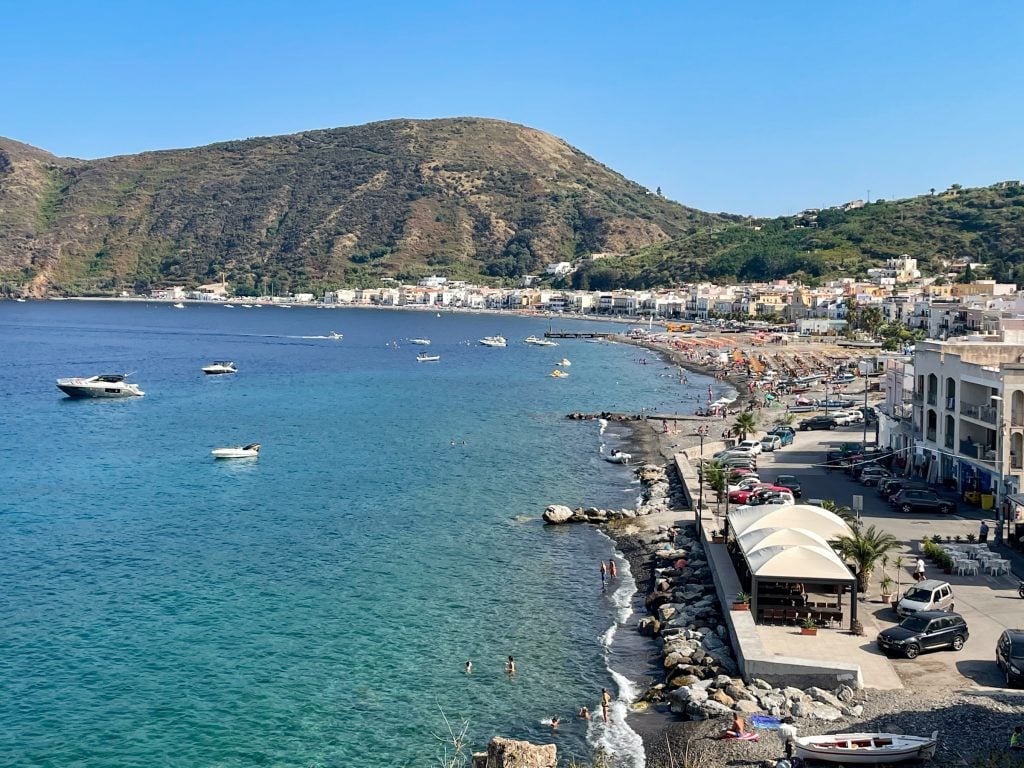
x=748, y=482
x=843, y=418
x=754, y=446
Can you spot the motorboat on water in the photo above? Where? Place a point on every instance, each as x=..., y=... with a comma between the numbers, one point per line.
x=421, y=342
x=179, y=305
x=335, y=336
x=250, y=451
x=247, y=306
x=229, y=306
x=866, y=748
x=619, y=457
x=564, y=362
x=20, y=301
x=537, y=342
x=103, y=385
x=494, y=341
x=425, y=358
x=558, y=374
x=219, y=367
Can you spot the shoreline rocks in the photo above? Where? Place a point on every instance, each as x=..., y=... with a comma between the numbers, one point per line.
x=655, y=492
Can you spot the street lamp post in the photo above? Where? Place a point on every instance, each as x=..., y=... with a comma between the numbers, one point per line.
x=702, y=432
x=864, y=439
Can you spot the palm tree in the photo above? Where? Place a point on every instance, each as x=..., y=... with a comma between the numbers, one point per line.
x=744, y=423
x=841, y=511
x=785, y=419
x=864, y=549
x=716, y=475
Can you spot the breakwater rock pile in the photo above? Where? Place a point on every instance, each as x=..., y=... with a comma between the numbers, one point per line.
x=509, y=753
x=702, y=676
x=655, y=492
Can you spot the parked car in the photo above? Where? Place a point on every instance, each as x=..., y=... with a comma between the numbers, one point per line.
x=754, y=446
x=785, y=434
x=770, y=496
x=746, y=462
x=870, y=414
x=894, y=485
x=1010, y=656
x=872, y=475
x=925, y=631
x=790, y=482
x=745, y=483
x=818, y=422
x=927, y=595
x=920, y=500
x=843, y=418
x=771, y=442
x=742, y=495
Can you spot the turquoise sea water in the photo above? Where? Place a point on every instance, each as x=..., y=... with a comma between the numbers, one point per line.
x=314, y=607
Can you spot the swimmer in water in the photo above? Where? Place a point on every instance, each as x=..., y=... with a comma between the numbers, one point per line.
x=554, y=723
x=469, y=667
x=510, y=666
x=585, y=712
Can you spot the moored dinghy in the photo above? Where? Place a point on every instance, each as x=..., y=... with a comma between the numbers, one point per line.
x=866, y=748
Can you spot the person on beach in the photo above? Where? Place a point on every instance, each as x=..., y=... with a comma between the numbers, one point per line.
x=585, y=712
x=469, y=667
x=919, y=570
x=613, y=571
x=510, y=666
x=1017, y=739
x=604, y=573
x=787, y=732
x=606, y=701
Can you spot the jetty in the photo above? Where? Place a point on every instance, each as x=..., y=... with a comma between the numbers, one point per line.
x=576, y=335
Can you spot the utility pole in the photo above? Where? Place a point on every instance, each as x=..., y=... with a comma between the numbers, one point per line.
x=864, y=439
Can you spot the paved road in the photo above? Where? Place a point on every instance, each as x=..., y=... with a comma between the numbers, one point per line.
x=988, y=604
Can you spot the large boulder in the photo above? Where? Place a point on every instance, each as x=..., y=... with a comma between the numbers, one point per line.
x=825, y=697
x=557, y=513
x=509, y=753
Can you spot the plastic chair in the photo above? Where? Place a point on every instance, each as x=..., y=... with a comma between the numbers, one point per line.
x=996, y=566
x=964, y=567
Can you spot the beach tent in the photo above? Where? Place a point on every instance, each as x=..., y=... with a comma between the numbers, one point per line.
x=809, y=563
x=806, y=516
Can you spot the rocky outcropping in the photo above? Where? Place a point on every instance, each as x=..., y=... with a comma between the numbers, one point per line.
x=654, y=497
x=508, y=753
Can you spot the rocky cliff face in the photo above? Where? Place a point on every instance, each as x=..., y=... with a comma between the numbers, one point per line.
x=464, y=197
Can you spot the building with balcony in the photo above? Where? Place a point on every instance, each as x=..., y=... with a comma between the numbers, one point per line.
x=968, y=408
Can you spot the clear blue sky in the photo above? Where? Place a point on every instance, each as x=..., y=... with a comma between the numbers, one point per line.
x=750, y=107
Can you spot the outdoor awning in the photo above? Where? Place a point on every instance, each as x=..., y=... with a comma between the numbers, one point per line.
x=775, y=537
x=803, y=562
x=806, y=516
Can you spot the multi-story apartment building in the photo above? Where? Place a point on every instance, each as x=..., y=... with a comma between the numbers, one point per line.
x=969, y=412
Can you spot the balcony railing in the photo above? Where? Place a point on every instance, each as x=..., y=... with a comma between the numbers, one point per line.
x=978, y=452
x=986, y=413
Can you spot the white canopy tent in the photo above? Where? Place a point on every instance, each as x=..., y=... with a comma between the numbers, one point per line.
x=790, y=545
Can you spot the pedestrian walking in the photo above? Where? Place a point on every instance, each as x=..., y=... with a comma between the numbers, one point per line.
x=919, y=570
x=787, y=732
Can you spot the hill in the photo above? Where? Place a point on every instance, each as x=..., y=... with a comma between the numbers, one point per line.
x=462, y=197
x=959, y=225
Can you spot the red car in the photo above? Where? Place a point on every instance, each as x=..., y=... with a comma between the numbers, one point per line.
x=741, y=497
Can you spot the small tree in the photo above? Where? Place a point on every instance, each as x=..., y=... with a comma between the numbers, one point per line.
x=744, y=425
x=864, y=549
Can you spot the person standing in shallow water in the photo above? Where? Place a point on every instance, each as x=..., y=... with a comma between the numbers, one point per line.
x=469, y=667
x=510, y=666
x=604, y=573
x=613, y=571
x=606, y=700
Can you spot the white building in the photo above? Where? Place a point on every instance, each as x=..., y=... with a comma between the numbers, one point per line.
x=559, y=268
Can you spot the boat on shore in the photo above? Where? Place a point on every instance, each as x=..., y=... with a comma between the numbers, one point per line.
x=866, y=748
x=494, y=341
x=619, y=457
x=424, y=358
x=421, y=342
x=105, y=385
x=220, y=367
x=250, y=451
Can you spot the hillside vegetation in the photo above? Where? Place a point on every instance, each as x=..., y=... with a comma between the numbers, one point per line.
x=463, y=197
x=960, y=225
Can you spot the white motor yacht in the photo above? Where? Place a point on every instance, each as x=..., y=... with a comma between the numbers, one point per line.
x=219, y=367
x=494, y=341
x=104, y=385
x=421, y=342
x=250, y=451
x=335, y=336
x=538, y=342
x=564, y=362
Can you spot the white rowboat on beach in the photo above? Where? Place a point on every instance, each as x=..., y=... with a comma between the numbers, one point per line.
x=866, y=748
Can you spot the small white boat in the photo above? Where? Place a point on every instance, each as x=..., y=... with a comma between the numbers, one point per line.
x=537, y=342
x=421, y=342
x=179, y=305
x=229, y=306
x=247, y=306
x=620, y=457
x=250, y=451
x=106, y=385
x=425, y=358
x=558, y=374
x=494, y=341
x=20, y=301
x=219, y=367
x=564, y=362
x=335, y=336
x=866, y=748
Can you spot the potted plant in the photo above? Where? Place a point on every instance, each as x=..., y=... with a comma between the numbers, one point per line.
x=741, y=602
x=946, y=562
x=971, y=538
x=886, y=584
x=958, y=538
x=809, y=626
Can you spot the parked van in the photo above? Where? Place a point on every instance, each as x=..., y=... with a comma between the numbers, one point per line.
x=927, y=595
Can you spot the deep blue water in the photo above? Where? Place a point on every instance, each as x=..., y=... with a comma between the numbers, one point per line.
x=314, y=607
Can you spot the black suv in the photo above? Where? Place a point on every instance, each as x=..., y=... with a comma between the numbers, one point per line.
x=818, y=422
x=789, y=481
x=1010, y=656
x=916, y=500
x=924, y=631
x=889, y=488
